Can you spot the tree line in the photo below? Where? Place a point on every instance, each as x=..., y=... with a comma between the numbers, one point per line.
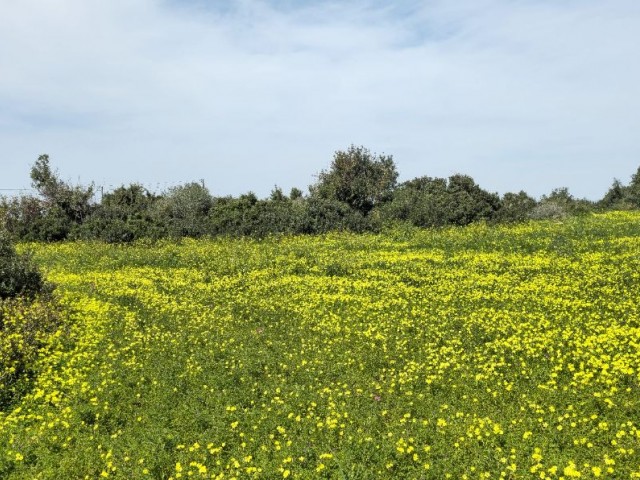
x=358, y=192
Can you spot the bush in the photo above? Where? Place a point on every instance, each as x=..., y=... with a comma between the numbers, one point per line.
x=32, y=219
x=632, y=194
x=515, y=207
x=567, y=202
x=249, y=216
x=18, y=276
x=27, y=321
x=57, y=212
x=548, y=211
x=324, y=215
x=122, y=216
x=183, y=210
x=434, y=202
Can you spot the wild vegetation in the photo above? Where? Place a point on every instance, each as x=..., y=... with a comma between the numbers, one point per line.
x=358, y=192
x=489, y=351
x=391, y=343
x=28, y=320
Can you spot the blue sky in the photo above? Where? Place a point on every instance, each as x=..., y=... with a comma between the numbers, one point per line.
x=519, y=94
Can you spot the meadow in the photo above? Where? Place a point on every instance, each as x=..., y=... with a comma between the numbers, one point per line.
x=482, y=352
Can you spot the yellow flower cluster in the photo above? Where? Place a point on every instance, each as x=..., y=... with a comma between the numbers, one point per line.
x=484, y=352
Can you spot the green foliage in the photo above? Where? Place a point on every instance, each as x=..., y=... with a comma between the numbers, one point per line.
x=322, y=215
x=18, y=275
x=515, y=207
x=469, y=202
x=621, y=197
x=633, y=190
x=28, y=218
x=359, y=192
x=232, y=216
x=615, y=196
x=26, y=328
x=183, y=210
x=44, y=179
x=73, y=202
x=248, y=216
x=358, y=178
x=55, y=214
x=295, y=194
x=277, y=195
x=123, y=215
x=559, y=204
x=433, y=202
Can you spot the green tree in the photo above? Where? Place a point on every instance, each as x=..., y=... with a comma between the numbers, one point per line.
x=296, y=194
x=73, y=201
x=633, y=190
x=358, y=178
x=57, y=211
x=615, y=197
x=277, y=195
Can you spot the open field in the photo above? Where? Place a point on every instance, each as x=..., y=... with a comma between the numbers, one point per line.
x=477, y=352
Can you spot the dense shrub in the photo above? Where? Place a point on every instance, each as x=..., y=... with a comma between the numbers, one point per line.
x=232, y=216
x=633, y=190
x=564, y=202
x=18, y=275
x=123, y=215
x=270, y=217
x=183, y=210
x=59, y=209
x=248, y=216
x=323, y=215
x=515, y=207
x=32, y=219
x=28, y=319
x=433, y=202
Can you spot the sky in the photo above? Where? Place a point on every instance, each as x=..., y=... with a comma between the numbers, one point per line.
x=520, y=94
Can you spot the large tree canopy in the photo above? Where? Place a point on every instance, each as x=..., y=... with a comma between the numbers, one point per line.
x=358, y=178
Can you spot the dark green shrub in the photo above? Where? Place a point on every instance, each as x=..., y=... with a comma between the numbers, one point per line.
x=123, y=215
x=632, y=194
x=32, y=219
x=433, y=202
x=18, y=275
x=515, y=207
x=324, y=215
x=232, y=216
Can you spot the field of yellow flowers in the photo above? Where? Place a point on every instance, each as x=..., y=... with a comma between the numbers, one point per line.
x=483, y=352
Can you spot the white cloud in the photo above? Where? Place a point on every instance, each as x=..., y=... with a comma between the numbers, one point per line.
x=521, y=95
